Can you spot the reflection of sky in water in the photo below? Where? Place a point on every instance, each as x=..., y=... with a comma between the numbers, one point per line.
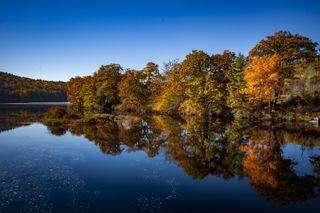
x=300, y=155
x=40, y=172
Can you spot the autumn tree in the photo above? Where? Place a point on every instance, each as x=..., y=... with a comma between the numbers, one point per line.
x=218, y=79
x=88, y=93
x=290, y=48
x=74, y=89
x=206, y=79
x=194, y=77
x=292, y=51
x=138, y=88
x=133, y=92
x=172, y=90
x=197, y=85
x=263, y=80
x=150, y=72
x=152, y=78
x=106, y=81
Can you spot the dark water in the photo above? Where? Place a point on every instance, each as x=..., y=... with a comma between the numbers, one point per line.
x=154, y=164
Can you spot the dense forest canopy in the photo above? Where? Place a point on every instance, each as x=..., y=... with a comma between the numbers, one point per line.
x=281, y=73
x=20, y=89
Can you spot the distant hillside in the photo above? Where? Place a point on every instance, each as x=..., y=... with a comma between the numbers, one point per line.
x=20, y=89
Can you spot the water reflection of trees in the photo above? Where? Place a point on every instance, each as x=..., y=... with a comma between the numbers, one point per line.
x=103, y=132
x=13, y=116
x=271, y=174
x=202, y=148
x=140, y=134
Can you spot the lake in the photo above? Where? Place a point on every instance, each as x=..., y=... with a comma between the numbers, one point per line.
x=154, y=164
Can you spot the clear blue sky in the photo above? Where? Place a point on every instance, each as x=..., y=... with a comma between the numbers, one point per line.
x=58, y=39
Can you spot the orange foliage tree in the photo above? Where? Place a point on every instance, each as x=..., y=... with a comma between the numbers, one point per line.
x=263, y=79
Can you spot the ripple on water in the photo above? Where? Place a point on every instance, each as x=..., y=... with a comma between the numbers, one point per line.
x=154, y=203
x=28, y=182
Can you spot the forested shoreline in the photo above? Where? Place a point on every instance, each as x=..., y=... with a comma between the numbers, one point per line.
x=278, y=79
x=20, y=89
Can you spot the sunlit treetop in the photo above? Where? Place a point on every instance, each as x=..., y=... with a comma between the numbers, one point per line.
x=290, y=48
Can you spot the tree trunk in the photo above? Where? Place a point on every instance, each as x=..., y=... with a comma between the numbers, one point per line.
x=270, y=107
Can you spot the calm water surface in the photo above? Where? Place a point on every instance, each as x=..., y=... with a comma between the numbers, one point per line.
x=154, y=164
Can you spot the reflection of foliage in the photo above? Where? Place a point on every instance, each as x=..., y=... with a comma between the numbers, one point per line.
x=56, y=114
x=302, y=134
x=58, y=129
x=315, y=161
x=270, y=174
x=13, y=116
x=290, y=188
x=260, y=164
x=202, y=148
x=138, y=134
x=102, y=131
x=55, y=119
x=21, y=118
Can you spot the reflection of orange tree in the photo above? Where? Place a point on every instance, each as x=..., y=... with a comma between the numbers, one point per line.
x=140, y=134
x=200, y=148
x=270, y=174
x=260, y=164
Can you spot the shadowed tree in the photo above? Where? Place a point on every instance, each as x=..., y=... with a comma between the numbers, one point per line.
x=236, y=100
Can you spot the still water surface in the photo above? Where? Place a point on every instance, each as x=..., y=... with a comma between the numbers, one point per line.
x=154, y=164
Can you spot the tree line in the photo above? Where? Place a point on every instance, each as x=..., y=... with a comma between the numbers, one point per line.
x=280, y=72
x=20, y=89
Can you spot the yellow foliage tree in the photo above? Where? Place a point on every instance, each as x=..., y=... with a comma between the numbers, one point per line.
x=263, y=79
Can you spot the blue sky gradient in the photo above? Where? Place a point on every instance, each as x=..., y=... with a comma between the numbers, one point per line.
x=58, y=39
